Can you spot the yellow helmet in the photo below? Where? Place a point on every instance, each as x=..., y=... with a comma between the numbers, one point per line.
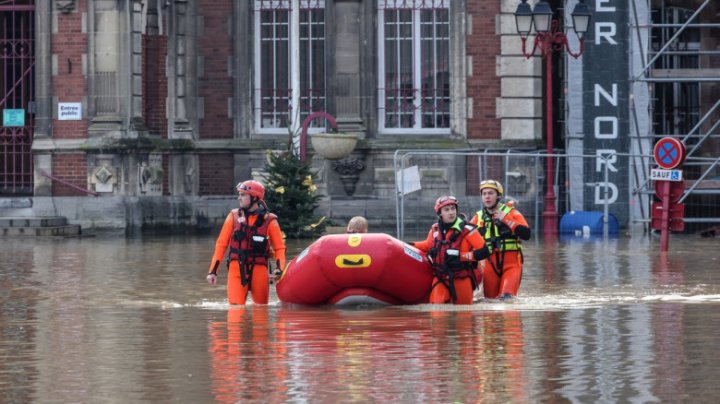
x=493, y=185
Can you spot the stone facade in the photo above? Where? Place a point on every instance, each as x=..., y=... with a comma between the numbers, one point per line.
x=166, y=104
x=168, y=127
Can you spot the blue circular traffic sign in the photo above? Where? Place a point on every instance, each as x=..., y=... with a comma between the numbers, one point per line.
x=669, y=153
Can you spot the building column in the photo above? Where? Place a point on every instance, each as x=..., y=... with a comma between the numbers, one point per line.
x=520, y=105
x=183, y=168
x=107, y=68
x=136, y=72
x=345, y=55
x=43, y=95
x=243, y=57
x=178, y=72
x=459, y=68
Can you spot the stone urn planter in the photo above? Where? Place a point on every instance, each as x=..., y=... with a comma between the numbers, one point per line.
x=333, y=146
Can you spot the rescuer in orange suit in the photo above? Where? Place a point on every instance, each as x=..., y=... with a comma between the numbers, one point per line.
x=502, y=226
x=453, y=247
x=249, y=232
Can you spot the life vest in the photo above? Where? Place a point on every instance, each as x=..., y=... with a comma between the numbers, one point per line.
x=446, y=271
x=249, y=244
x=444, y=246
x=498, y=236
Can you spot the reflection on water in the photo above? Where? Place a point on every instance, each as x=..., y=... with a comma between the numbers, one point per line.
x=132, y=320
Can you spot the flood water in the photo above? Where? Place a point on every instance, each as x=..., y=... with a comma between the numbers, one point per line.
x=120, y=320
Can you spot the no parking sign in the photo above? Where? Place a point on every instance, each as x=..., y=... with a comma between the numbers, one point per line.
x=669, y=187
x=669, y=153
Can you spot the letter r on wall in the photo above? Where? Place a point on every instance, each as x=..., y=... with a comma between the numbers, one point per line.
x=605, y=30
x=610, y=161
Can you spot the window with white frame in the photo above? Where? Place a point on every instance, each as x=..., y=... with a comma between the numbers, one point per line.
x=273, y=92
x=414, y=71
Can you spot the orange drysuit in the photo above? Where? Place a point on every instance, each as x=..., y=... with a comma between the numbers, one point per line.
x=460, y=236
x=257, y=269
x=502, y=271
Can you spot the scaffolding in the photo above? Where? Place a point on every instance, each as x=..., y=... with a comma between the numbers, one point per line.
x=674, y=76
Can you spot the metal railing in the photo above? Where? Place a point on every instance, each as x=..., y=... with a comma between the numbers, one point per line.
x=583, y=181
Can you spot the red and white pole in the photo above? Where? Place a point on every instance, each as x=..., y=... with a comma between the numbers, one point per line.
x=665, y=224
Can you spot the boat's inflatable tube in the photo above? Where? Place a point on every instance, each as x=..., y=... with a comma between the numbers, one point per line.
x=371, y=268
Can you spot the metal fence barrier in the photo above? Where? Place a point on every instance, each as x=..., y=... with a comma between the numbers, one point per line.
x=612, y=183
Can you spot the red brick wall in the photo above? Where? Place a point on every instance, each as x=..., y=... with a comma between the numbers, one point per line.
x=484, y=85
x=69, y=44
x=215, y=85
x=473, y=177
x=216, y=174
x=155, y=84
x=71, y=168
x=494, y=167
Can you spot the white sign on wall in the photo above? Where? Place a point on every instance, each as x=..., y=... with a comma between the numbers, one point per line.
x=665, y=175
x=69, y=111
x=408, y=180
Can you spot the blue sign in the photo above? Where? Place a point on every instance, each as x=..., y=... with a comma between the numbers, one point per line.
x=13, y=117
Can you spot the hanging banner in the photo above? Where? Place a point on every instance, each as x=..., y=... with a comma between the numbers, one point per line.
x=605, y=108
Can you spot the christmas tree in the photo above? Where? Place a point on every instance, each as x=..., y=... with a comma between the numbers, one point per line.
x=290, y=194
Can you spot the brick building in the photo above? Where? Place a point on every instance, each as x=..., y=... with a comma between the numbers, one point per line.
x=142, y=113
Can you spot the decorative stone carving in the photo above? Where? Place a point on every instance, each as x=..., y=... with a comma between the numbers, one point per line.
x=104, y=177
x=349, y=169
x=150, y=175
x=65, y=6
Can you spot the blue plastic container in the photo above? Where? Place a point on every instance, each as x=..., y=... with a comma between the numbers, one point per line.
x=589, y=223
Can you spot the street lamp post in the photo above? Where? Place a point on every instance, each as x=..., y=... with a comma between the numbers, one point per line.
x=548, y=39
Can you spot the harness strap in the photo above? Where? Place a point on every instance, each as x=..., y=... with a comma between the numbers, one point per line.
x=246, y=270
x=246, y=274
x=446, y=278
x=501, y=261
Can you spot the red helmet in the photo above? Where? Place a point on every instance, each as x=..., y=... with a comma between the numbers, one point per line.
x=443, y=201
x=253, y=188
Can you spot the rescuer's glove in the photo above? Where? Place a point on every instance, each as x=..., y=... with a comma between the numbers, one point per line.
x=481, y=253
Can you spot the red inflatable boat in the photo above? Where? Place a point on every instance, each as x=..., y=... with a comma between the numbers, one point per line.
x=370, y=268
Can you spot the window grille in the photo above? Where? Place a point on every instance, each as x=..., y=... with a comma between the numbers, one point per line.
x=414, y=71
x=17, y=96
x=272, y=61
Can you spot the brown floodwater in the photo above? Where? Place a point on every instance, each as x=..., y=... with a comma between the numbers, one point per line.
x=114, y=319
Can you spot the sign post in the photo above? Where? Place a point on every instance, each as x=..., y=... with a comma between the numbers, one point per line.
x=669, y=153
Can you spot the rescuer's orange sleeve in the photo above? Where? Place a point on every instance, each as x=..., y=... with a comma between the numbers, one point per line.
x=426, y=244
x=277, y=243
x=474, y=220
x=513, y=219
x=221, y=244
x=473, y=241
